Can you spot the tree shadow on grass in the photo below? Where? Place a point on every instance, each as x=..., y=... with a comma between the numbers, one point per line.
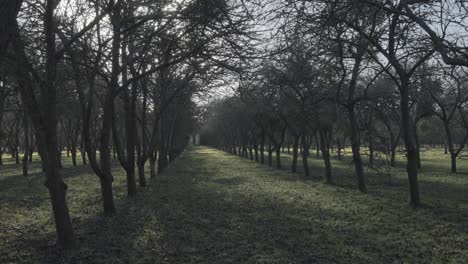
x=17, y=191
x=446, y=196
x=99, y=239
x=213, y=222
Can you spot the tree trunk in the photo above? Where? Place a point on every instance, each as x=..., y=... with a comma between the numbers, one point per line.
x=83, y=153
x=152, y=160
x=57, y=188
x=317, y=146
x=371, y=151
x=451, y=149
x=295, y=147
x=408, y=137
x=131, y=134
x=140, y=163
x=107, y=195
x=162, y=159
x=59, y=158
x=278, y=157
x=141, y=174
x=393, y=157
x=16, y=148
x=106, y=176
x=270, y=157
x=262, y=147
x=73, y=155
x=338, y=148
x=418, y=146
x=355, y=147
x=143, y=146
x=30, y=154
x=256, y=151
x=105, y=154
x=26, y=144
x=326, y=157
x=305, y=163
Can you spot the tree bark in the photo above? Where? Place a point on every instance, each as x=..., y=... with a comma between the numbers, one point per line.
x=270, y=157
x=418, y=146
x=305, y=163
x=355, y=147
x=278, y=157
x=326, y=157
x=408, y=137
x=26, y=144
x=152, y=159
x=295, y=147
x=45, y=122
x=450, y=147
x=256, y=151
x=73, y=155
x=262, y=147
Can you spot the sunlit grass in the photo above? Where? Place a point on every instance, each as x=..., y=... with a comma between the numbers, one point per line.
x=380, y=227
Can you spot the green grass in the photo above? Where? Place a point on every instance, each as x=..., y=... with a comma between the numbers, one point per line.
x=213, y=207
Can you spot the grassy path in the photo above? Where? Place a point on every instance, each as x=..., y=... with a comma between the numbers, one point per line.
x=233, y=210
x=213, y=207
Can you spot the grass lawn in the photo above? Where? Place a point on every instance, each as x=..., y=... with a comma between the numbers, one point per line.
x=214, y=207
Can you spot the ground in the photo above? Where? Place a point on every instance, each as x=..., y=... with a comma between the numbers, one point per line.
x=214, y=207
